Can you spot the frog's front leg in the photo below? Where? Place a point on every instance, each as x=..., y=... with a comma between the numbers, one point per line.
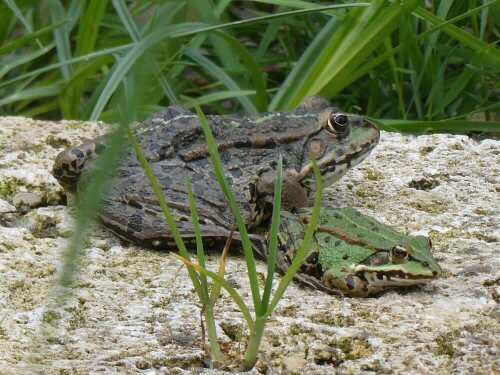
x=283, y=263
x=350, y=282
x=70, y=163
x=293, y=195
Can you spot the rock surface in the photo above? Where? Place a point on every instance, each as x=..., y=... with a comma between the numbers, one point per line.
x=134, y=310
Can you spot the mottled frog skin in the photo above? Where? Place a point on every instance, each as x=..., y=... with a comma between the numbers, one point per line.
x=249, y=145
x=354, y=254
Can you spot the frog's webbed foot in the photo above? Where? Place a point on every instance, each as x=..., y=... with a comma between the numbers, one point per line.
x=259, y=246
x=293, y=195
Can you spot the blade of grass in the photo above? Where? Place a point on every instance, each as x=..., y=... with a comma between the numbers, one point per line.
x=221, y=178
x=206, y=298
x=273, y=237
x=292, y=270
x=18, y=43
x=233, y=293
x=74, y=60
x=216, y=97
x=37, y=92
x=460, y=35
x=61, y=35
x=19, y=15
x=89, y=23
x=257, y=332
x=337, y=51
x=219, y=74
x=136, y=35
x=19, y=60
x=199, y=242
x=205, y=13
x=258, y=78
x=460, y=83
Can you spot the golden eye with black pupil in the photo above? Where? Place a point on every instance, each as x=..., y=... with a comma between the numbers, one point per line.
x=338, y=122
x=399, y=254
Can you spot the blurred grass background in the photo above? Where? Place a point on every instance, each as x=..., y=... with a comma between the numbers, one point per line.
x=413, y=66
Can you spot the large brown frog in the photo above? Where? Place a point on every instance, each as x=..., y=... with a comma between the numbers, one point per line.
x=249, y=145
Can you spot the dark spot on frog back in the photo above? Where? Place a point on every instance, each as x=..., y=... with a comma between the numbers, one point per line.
x=135, y=223
x=340, y=151
x=165, y=180
x=278, y=128
x=237, y=172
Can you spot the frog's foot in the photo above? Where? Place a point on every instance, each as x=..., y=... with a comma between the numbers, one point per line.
x=259, y=246
x=315, y=283
x=293, y=195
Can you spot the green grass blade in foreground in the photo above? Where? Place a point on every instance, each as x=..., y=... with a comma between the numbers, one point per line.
x=292, y=270
x=221, y=178
x=206, y=298
x=199, y=241
x=89, y=204
x=257, y=332
x=233, y=293
x=273, y=236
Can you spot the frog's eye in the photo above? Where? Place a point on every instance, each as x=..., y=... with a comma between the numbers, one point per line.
x=399, y=254
x=338, y=122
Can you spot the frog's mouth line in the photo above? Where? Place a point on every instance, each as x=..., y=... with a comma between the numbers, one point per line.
x=395, y=278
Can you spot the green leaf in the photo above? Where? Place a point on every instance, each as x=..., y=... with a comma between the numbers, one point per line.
x=273, y=237
x=18, y=43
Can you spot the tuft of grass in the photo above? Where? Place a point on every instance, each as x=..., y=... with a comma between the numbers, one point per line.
x=389, y=60
x=263, y=305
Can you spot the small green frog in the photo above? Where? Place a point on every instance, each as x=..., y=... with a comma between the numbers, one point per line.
x=354, y=254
